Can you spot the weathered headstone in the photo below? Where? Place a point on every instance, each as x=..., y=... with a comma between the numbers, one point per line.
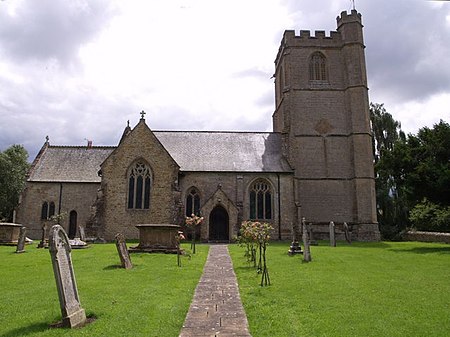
x=124, y=255
x=82, y=233
x=73, y=314
x=306, y=249
x=348, y=235
x=332, y=234
x=312, y=241
x=21, y=242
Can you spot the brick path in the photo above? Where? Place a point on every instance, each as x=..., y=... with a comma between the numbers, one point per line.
x=216, y=309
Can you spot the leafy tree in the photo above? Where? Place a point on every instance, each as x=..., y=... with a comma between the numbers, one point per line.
x=412, y=175
x=429, y=154
x=388, y=148
x=13, y=170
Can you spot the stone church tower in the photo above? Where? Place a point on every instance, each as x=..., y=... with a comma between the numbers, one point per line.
x=322, y=111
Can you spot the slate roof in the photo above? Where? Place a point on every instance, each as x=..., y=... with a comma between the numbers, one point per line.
x=69, y=164
x=193, y=151
x=225, y=151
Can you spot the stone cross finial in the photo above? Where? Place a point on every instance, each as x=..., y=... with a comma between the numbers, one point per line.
x=142, y=114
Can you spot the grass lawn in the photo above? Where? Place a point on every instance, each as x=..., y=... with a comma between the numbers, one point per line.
x=151, y=299
x=363, y=289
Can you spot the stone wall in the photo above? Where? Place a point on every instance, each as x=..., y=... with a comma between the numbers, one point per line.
x=77, y=197
x=426, y=236
x=140, y=144
x=234, y=194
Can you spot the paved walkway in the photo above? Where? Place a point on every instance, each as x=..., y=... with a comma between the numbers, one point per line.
x=216, y=309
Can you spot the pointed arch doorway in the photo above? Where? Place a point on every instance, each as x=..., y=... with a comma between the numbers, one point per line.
x=219, y=224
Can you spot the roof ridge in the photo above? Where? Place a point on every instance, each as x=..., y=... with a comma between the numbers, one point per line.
x=213, y=131
x=83, y=146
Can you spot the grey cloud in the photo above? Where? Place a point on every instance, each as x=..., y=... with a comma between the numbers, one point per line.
x=407, y=48
x=46, y=29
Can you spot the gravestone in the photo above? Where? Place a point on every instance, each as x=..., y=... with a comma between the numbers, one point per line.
x=306, y=249
x=348, y=235
x=82, y=233
x=312, y=241
x=332, y=234
x=21, y=241
x=73, y=314
x=124, y=255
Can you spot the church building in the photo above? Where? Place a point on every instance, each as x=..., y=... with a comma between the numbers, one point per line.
x=317, y=163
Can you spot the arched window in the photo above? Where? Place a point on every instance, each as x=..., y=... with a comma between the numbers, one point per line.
x=192, y=202
x=260, y=200
x=44, y=211
x=139, y=185
x=318, y=67
x=51, y=210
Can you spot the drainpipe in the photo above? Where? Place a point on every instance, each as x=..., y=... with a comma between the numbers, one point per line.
x=60, y=198
x=279, y=207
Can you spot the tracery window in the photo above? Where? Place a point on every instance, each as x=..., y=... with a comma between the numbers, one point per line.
x=318, y=67
x=260, y=200
x=192, y=202
x=139, y=185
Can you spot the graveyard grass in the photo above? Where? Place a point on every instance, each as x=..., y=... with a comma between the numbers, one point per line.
x=151, y=299
x=363, y=289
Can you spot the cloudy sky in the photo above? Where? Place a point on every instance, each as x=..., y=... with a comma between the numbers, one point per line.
x=77, y=70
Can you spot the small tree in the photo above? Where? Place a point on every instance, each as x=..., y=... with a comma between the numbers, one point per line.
x=257, y=234
x=192, y=222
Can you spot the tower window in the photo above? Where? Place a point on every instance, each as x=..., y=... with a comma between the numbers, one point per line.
x=139, y=186
x=318, y=67
x=192, y=202
x=260, y=201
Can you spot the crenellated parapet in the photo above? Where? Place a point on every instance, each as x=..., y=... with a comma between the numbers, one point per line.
x=345, y=17
x=349, y=31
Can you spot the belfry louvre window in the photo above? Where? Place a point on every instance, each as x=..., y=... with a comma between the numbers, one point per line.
x=192, y=202
x=318, y=67
x=139, y=185
x=260, y=201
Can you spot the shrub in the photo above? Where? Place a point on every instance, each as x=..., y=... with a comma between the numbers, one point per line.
x=428, y=216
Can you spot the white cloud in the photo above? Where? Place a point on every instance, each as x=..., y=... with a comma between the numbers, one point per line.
x=81, y=69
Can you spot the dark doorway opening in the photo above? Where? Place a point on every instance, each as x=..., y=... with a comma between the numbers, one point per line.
x=219, y=224
x=72, y=224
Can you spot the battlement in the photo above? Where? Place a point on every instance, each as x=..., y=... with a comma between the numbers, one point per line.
x=306, y=34
x=345, y=17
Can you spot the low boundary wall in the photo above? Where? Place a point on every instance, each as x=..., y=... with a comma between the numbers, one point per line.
x=426, y=236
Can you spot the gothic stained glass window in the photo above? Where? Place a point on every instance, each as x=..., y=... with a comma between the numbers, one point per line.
x=260, y=201
x=318, y=67
x=139, y=186
x=192, y=202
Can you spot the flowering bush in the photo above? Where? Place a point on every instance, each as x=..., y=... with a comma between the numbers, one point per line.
x=256, y=235
x=192, y=222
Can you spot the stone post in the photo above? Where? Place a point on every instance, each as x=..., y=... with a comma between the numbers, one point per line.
x=332, y=235
x=21, y=242
x=306, y=249
x=348, y=235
